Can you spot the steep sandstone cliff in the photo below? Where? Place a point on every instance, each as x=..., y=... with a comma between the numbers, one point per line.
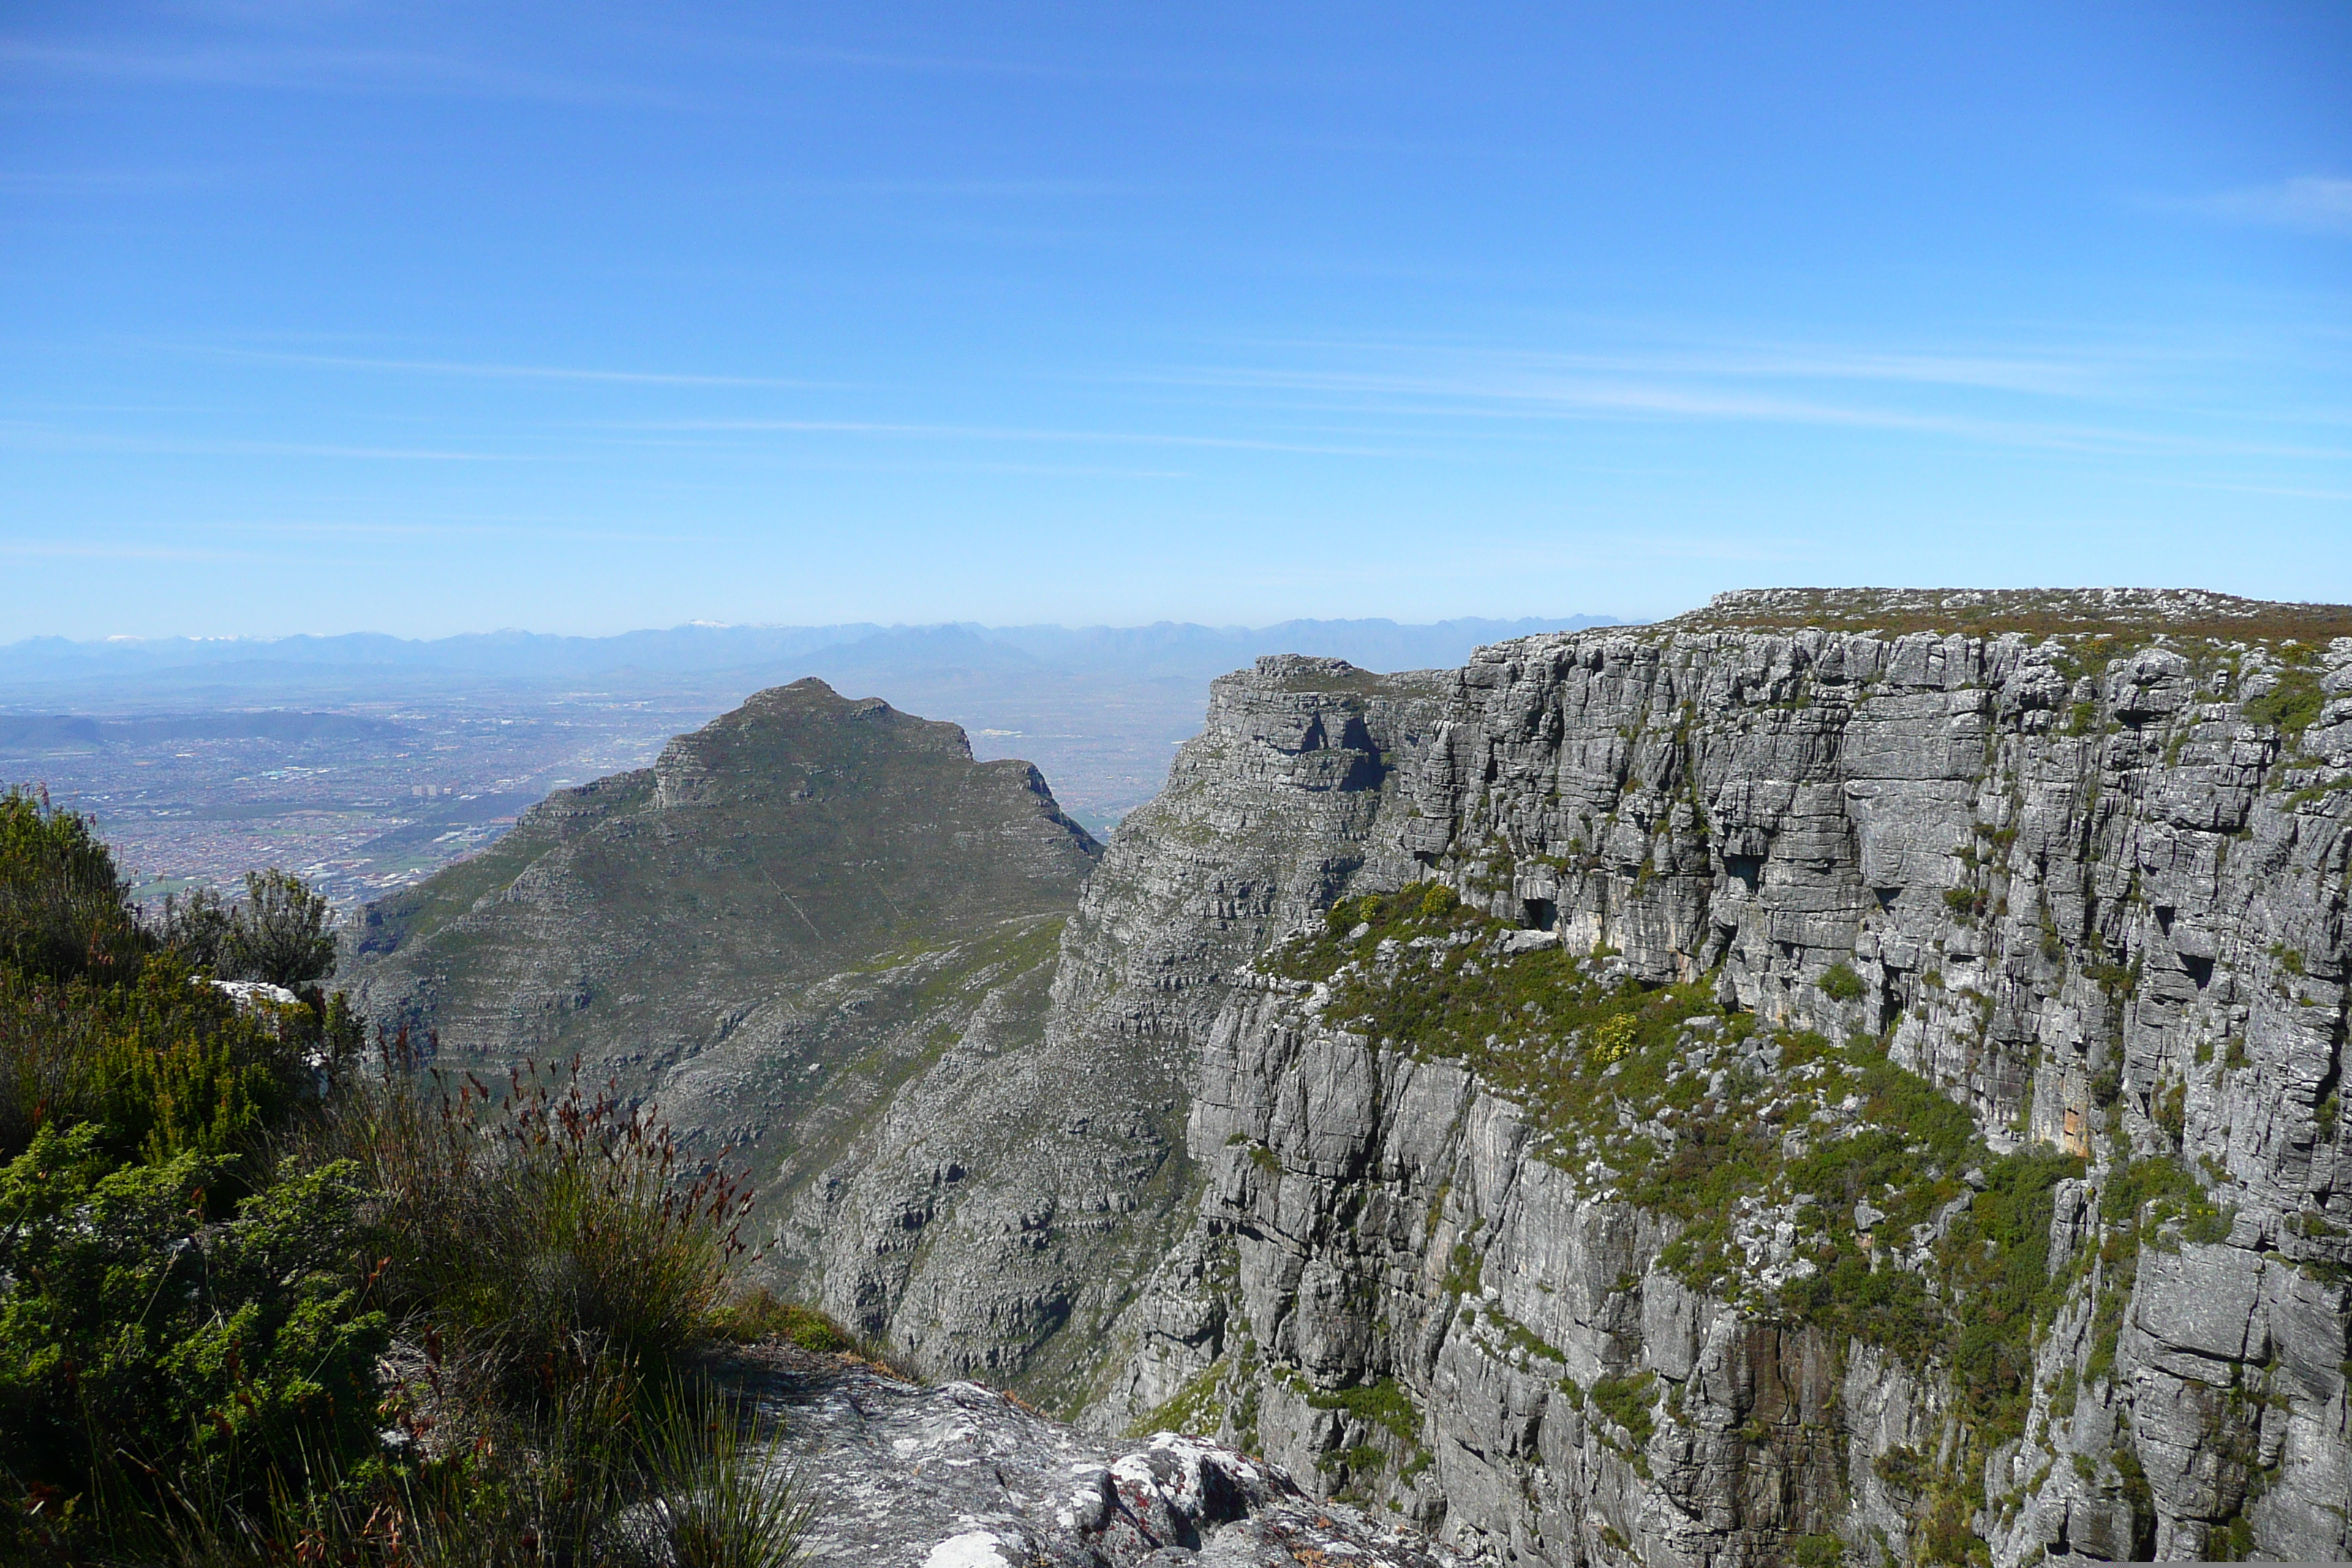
x=1287, y=798
x=1669, y=1251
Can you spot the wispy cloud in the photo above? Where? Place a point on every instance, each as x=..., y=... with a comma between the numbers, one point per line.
x=77, y=549
x=48, y=438
x=995, y=432
x=513, y=371
x=2309, y=203
x=305, y=68
x=463, y=529
x=2049, y=376
x=2289, y=492
x=2112, y=410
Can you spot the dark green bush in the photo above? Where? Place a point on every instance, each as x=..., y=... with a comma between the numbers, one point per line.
x=137, y=1342
x=1817, y=1552
x=544, y=1231
x=162, y=1063
x=1841, y=984
x=191, y=1318
x=2293, y=704
x=1626, y=1402
x=1997, y=1258
x=64, y=913
x=277, y=932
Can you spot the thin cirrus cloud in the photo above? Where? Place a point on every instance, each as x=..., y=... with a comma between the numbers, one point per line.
x=2040, y=375
x=2310, y=203
x=1507, y=390
x=308, y=69
x=992, y=433
x=497, y=372
x=24, y=434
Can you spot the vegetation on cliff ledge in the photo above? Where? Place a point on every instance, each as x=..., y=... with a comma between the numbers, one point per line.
x=1815, y=1182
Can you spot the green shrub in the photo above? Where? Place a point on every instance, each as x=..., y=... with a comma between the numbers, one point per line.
x=1888, y=1307
x=1996, y=1259
x=190, y=1321
x=1841, y=984
x=2293, y=704
x=616, y=1472
x=277, y=932
x=1817, y=1552
x=163, y=1065
x=98, y=1024
x=140, y=1348
x=1383, y=1404
x=2171, y=1112
x=555, y=1226
x=1906, y=1469
x=757, y=1315
x=1626, y=1402
x=64, y=913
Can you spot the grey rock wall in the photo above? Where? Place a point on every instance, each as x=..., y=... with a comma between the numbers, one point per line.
x=1287, y=798
x=2097, y=900
x=998, y=1214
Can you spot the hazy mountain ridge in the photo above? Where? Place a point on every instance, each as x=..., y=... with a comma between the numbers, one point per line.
x=367, y=762
x=1164, y=649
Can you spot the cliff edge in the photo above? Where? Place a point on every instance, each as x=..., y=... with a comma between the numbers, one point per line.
x=1836, y=1077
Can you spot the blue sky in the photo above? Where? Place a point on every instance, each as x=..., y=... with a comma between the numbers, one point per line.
x=428, y=318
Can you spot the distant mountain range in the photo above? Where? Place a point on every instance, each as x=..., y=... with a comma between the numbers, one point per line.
x=1168, y=648
x=365, y=757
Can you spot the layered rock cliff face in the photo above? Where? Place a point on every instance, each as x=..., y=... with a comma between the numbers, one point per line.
x=1286, y=796
x=1613, y=1203
x=1833, y=1077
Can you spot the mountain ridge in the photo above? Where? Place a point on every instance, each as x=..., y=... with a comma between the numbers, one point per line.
x=1165, y=647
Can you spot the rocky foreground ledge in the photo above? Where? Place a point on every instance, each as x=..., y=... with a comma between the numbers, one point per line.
x=959, y=1476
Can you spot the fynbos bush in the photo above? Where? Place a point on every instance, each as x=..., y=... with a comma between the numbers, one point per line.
x=216, y=1238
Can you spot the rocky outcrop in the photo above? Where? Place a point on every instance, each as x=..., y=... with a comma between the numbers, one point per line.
x=959, y=1476
x=2088, y=879
x=1287, y=798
